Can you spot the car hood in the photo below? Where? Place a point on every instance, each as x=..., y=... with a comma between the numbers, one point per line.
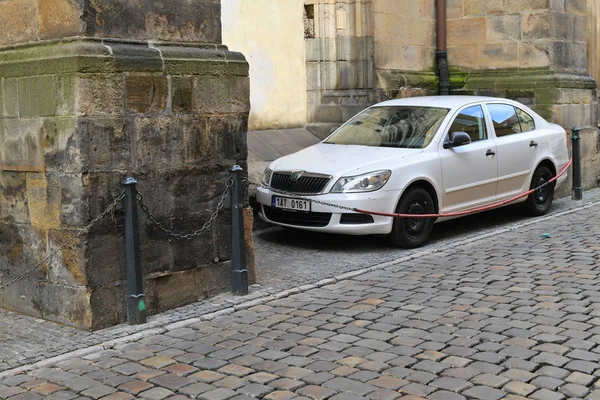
x=340, y=160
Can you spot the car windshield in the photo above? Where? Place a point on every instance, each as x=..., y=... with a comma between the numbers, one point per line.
x=409, y=127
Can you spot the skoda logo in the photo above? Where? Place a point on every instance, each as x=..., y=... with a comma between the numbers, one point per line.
x=296, y=175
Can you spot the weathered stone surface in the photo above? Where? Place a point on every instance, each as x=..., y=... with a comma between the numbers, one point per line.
x=78, y=130
x=19, y=20
x=59, y=18
x=167, y=20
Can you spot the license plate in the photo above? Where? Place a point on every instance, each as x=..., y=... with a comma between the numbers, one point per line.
x=290, y=204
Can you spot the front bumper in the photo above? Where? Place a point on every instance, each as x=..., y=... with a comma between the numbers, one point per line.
x=330, y=218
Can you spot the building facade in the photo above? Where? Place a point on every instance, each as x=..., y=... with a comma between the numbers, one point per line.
x=543, y=53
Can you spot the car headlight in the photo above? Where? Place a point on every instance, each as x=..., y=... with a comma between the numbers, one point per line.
x=266, y=176
x=362, y=183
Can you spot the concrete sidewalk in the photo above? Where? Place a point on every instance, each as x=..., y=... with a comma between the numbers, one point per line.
x=504, y=314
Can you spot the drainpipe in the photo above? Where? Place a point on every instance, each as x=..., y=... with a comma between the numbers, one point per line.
x=441, y=54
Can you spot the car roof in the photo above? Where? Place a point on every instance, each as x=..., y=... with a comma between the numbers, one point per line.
x=449, y=101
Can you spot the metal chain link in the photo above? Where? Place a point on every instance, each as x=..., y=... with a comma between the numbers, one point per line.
x=110, y=208
x=297, y=197
x=197, y=232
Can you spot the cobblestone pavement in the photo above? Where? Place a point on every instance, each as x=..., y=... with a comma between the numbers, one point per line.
x=511, y=316
x=25, y=340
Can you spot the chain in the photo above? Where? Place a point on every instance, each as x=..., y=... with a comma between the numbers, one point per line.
x=110, y=208
x=197, y=232
x=297, y=197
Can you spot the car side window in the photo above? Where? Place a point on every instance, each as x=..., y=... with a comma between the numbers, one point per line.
x=471, y=121
x=504, y=118
x=527, y=123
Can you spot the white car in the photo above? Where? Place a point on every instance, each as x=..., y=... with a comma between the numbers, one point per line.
x=423, y=155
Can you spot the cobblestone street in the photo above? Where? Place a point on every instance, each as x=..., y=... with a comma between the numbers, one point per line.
x=516, y=315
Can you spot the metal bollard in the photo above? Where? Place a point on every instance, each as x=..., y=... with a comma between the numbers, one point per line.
x=239, y=273
x=576, y=193
x=136, y=301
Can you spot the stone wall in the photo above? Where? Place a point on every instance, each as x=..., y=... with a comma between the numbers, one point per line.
x=78, y=115
x=340, y=78
x=404, y=48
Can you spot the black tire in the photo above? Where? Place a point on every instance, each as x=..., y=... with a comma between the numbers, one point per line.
x=540, y=201
x=409, y=233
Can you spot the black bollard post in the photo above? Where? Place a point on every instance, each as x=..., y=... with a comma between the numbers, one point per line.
x=136, y=302
x=577, y=193
x=239, y=273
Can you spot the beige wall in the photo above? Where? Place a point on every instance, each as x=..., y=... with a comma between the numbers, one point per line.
x=517, y=34
x=404, y=34
x=271, y=36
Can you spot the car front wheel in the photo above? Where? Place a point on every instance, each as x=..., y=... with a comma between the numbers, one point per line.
x=409, y=233
x=540, y=200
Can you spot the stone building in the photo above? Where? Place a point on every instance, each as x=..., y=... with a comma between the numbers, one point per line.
x=92, y=91
x=329, y=59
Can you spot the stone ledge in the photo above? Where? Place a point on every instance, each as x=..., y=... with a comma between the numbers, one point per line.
x=89, y=55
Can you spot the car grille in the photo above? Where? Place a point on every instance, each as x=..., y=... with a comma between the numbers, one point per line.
x=356, y=219
x=315, y=219
x=306, y=184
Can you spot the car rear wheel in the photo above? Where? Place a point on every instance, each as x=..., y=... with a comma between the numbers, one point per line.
x=540, y=201
x=409, y=233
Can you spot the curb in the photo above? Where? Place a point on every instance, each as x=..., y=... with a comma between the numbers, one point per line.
x=153, y=330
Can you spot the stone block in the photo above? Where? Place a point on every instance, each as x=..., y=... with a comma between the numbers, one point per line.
x=22, y=145
x=19, y=21
x=66, y=94
x=172, y=290
x=23, y=295
x=43, y=200
x=72, y=200
x=182, y=20
x=67, y=267
x=108, y=306
x=202, y=60
x=13, y=201
x=418, y=58
x=577, y=7
x=466, y=31
x=463, y=56
x=105, y=143
x=22, y=247
x=59, y=18
x=562, y=26
x=557, y=5
x=478, y=7
x=569, y=56
x=105, y=255
x=579, y=29
x=518, y=6
x=230, y=134
x=113, y=18
x=61, y=151
x=221, y=95
x=66, y=305
x=36, y=96
x=181, y=94
x=503, y=28
x=99, y=94
x=535, y=25
x=9, y=95
x=494, y=56
x=454, y=9
x=146, y=93
x=534, y=55
x=386, y=56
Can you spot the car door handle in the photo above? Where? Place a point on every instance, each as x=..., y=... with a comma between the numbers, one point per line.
x=532, y=144
x=490, y=152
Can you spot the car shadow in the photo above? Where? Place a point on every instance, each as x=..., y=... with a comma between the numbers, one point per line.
x=459, y=227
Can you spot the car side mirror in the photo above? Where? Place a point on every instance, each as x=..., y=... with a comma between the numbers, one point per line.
x=456, y=139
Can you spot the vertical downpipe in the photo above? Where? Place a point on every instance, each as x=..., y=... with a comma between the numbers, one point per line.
x=441, y=53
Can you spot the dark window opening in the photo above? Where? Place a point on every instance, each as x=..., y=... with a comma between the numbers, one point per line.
x=309, y=21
